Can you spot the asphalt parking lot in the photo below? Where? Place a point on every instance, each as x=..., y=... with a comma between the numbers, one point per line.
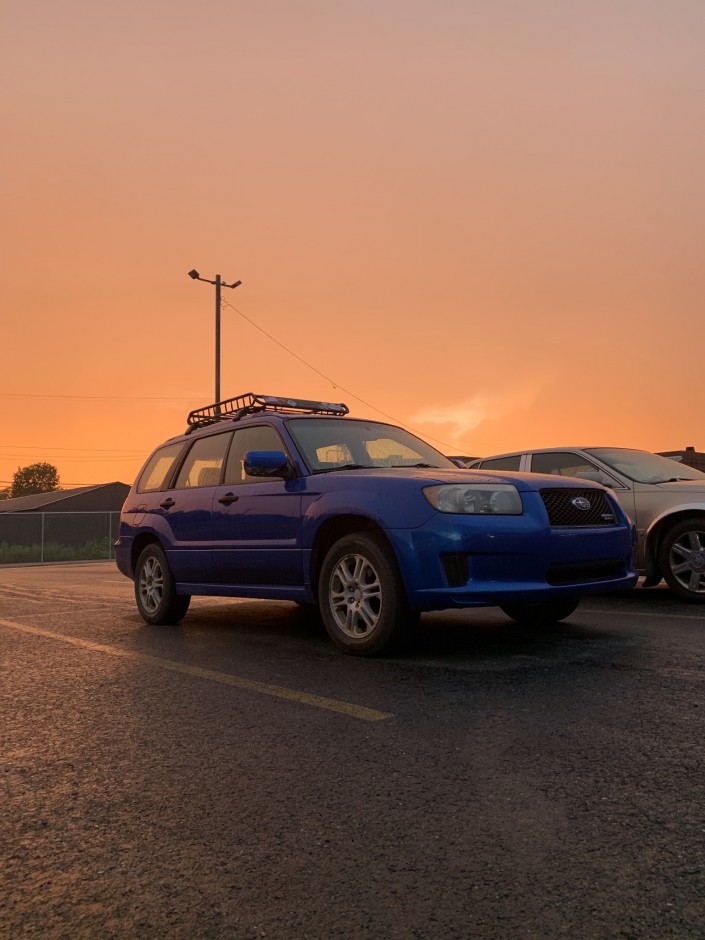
x=238, y=777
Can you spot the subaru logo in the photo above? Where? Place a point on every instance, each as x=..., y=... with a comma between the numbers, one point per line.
x=580, y=503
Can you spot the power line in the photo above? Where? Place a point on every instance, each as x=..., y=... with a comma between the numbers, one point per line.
x=124, y=398
x=86, y=459
x=335, y=384
x=92, y=450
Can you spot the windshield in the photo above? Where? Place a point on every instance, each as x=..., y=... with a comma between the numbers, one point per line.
x=644, y=467
x=340, y=443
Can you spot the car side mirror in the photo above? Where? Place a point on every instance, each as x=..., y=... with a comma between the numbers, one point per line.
x=266, y=463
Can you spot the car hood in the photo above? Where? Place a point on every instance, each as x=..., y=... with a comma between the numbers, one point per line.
x=686, y=488
x=524, y=482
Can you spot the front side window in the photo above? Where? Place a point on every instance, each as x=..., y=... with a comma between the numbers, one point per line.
x=262, y=437
x=204, y=462
x=566, y=464
x=155, y=475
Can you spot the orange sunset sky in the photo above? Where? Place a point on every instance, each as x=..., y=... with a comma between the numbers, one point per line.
x=482, y=219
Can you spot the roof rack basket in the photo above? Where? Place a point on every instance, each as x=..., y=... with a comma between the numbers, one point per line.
x=233, y=409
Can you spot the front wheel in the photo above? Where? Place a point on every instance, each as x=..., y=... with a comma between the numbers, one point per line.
x=681, y=559
x=155, y=589
x=543, y=612
x=361, y=597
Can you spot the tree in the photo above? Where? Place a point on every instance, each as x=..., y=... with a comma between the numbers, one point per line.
x=5, y=492
x=36, y=478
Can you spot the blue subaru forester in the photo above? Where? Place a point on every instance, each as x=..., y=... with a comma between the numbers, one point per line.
x=282, y=498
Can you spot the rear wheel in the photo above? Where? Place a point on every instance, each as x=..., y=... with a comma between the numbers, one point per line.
x=362, y=599
x=681, y=559
x=543, y=612
x=155, y=589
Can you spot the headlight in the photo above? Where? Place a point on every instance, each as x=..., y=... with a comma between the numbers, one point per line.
x=501, y=499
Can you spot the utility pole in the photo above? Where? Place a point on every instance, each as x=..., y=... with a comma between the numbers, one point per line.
x=219, y=282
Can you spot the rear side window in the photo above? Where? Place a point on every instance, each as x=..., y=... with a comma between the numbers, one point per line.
x=204, y=462
x=501, y=463
x=155, y=475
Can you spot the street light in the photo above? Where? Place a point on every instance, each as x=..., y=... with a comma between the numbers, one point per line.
x=218, y=284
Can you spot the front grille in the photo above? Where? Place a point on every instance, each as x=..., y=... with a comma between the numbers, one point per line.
x=564, y=507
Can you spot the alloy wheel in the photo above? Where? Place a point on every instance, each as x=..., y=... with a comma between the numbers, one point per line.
x=356, y=596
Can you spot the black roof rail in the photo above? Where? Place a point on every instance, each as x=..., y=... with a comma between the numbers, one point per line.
x=232, y=409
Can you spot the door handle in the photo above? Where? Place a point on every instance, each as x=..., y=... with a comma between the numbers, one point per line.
x=167, y=503
x=228, y=498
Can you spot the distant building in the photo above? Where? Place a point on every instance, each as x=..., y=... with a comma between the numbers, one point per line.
x=689, y=456
x=64, y=525
x=102, y=497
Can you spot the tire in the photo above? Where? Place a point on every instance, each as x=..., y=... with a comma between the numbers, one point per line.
x=681, y=559
x=543, y=612
x=362, y=598
x=155, y=589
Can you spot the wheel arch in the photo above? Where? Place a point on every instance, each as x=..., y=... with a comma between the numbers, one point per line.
x=336, y=528
x=139, y=545
x=659, y=528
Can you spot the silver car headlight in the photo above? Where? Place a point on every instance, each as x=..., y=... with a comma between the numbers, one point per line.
x=500, y=499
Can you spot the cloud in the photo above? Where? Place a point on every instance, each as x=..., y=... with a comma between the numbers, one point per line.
x=463, y=416
x=467, y=415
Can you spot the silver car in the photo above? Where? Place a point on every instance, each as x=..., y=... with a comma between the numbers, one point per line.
x=665, y=499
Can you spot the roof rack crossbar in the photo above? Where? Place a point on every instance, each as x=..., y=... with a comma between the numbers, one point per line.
x=232, y=409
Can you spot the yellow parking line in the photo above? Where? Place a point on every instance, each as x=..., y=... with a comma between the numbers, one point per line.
x=302, y=698
x=641, y=613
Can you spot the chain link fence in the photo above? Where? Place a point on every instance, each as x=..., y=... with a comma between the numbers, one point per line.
x=57, y=536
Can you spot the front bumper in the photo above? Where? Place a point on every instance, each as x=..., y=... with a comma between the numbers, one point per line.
x=456, y=561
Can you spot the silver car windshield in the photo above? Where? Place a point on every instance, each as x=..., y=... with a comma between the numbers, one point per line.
x=346, y=443
x=644, y=467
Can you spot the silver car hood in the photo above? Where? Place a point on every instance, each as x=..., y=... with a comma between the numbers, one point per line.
x=690, y=489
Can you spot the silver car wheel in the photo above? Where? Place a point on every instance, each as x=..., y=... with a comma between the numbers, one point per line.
x=155, y=589
x=151, y=584
x=687, y=561
x=355, y=595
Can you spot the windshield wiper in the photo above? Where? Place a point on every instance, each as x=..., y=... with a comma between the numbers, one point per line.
x=412, y=466
x=345, y=466
x=368, y=466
